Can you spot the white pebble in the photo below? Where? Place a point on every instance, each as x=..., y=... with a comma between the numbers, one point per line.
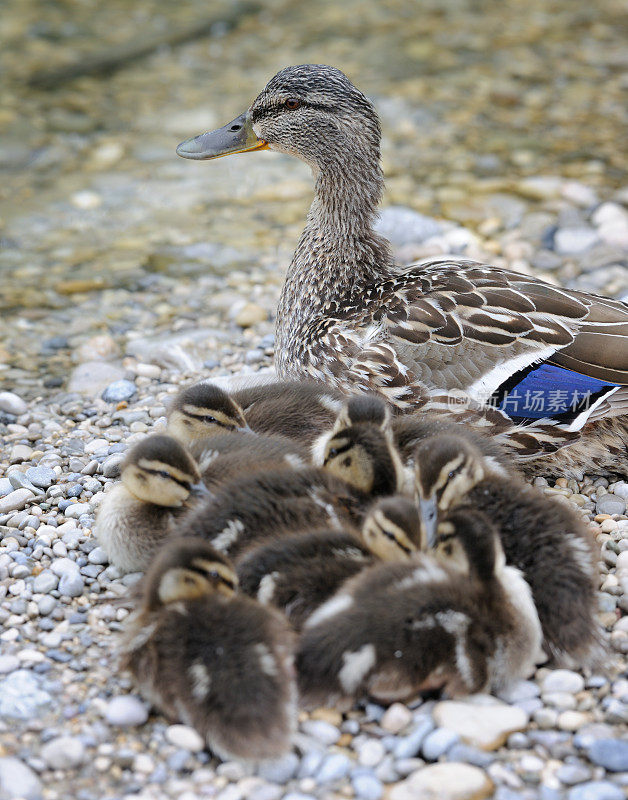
x=65, y=752
x=11, y=403
x=396, y=718
x=185, y=737
x=563, y=680
x=126, y=711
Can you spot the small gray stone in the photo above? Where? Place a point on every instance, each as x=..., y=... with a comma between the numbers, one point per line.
x=46, y=605
x=126, y=711
x=279, y=770
x=111, y=465
x=571, y=774
x=15, y=501
x=596, y=790
x=65, y=752
x=21, y=696
x=403, y=226
x=77, y=510
x=42, y=477
x=118, y=391
x=610, y=504
x=367, y=786
x=571, y=241
x=612, y=754
x=20, y=481
x=71, y=585
x=563, y=680
x=64, y=566
x=45, y=582
x=98, y=556
x=8, y=663
x=437, y=743
x=333, y=768
x=321, y=730
x=408, y=746
x=5, y=487
x=18, y=780
x=11, y=403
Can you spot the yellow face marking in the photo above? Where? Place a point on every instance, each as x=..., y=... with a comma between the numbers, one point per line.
x=385, y=539
x=216, y=570
x=174, y=472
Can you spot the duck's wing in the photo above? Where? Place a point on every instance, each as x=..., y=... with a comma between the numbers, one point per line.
x=489, y=332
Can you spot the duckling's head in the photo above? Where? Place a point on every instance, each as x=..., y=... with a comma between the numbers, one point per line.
x=467, y=541
x=392, y=530
x=187, y=568
x=446, y=469
x=159, y=470
x=202, y=410
x=311, y=111
x=362, y=456
x=364, y=409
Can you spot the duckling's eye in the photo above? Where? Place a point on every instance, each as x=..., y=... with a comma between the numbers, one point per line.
x=292, y=103
x=209, y=419
x=333, y=452
x=163, y=474
x=214, y=574
x=451, y=474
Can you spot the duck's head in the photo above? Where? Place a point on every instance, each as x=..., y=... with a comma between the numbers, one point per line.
x=187, y=569
x=446, y=469
x=202, y=410
x=364, y=409
x=468, y=542
x=392, y=529
x=362, y=455
x=311, y=111
x=159, y=470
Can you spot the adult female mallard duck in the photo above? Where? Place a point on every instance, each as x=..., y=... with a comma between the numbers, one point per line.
x=348, y=316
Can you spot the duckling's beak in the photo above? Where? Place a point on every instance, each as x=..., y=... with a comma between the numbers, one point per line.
x=428, y=513
x=199, y=489
x=236, y=136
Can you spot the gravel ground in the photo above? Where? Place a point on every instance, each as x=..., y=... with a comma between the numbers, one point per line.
x=68, y=719
x=133, y=272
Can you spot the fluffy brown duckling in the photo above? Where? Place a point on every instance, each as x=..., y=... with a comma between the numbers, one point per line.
x=359, y=468
x=297, y=410
x=160, y=482
x=542, y=537
x=408, y=430
x=460, y=623
x=210, y=658
x=299, y=572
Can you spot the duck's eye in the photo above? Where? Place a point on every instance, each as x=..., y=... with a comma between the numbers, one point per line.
x=163, y=474
x=214, y=574
x=451, y=474
x=292, y=103
x=209, y=419
x=333, y=452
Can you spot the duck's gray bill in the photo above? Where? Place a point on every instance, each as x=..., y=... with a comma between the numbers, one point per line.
x=236, y=136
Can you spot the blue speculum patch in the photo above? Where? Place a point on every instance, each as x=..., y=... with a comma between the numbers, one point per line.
x=550, y=391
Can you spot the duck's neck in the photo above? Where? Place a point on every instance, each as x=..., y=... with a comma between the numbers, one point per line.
x=339, y=255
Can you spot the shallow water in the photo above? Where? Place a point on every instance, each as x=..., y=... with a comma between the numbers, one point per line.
x=96, y=206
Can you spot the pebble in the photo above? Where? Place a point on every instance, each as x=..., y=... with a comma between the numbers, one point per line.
x=8, y=663
x=610, y=504
x=76, y=510
x=447, y=781
x=572, y=241
x=486, y=726
x=71, y=585
x=111, y=465
x=45, y=582
x=118, y=391
x=612, y=754
x=371, y=752
x=65, y=752
x=21, y=696
x=563, y=680
x=280, y=770
x=396, y=718
x=333, y=768
x=596, y=790
x=250, y=314
x=320, y=730
x=437, y=743
x=408, y=746
x=367, y=786
x=126, y=711
x=12, y=403
x=185, y=737
x=93, y=377
x=15, y=501
x=42, y=477
x=17, y=780
x=403, y=226
x=98, y=556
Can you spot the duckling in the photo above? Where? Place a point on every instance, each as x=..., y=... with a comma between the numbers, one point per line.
x=408, y=430
x=160, y=482
x=397, y=629
x=543, y=538
x=209, y=657
x=203, y=410
x=358, y=469
x=229, y=456
x=299, y=572
x=297, y=410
